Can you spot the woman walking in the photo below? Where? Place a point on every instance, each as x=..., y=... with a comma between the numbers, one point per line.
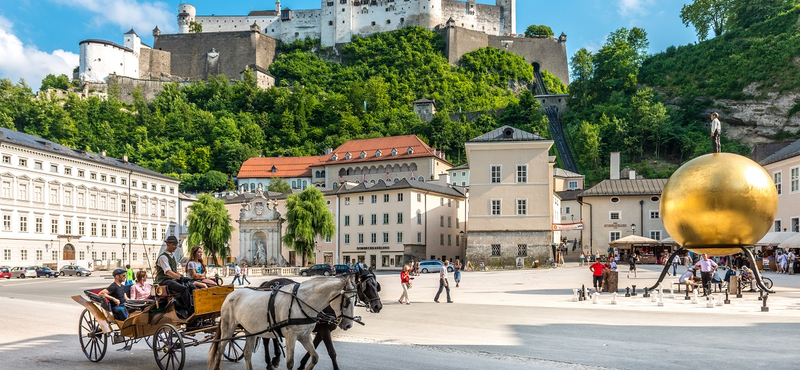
x=405, y=281
x=457, y=272
x=244, y=274
x=141, y=288
x=196, y=269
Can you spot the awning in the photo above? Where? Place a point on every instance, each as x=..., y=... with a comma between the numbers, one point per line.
x=776, y=238
x=635, y=239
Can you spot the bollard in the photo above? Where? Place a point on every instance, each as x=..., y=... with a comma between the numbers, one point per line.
x=739, y=291
x=687, y=295
x=710, y=303
x=694, y=296
x=627, y=291
x=660, y=299
x=727, y=299
x=764, y=308
x=719, y=299
x=653, y=297
x=614, y=298
x=760, y=294
x=634, y=291
x=596, y=298
x=646, y=293
x=574, y=295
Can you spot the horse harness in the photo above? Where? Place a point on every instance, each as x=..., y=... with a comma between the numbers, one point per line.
x=362, y=286
x=320, y=317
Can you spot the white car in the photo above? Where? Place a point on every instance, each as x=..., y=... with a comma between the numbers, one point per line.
x=433, y=266
x=23, y=272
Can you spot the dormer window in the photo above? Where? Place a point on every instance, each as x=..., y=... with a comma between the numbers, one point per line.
x=377, y=153
x=410, y=150
x=273, y=169
x=335, y=157
x=394, y=152
x=363, y=154
x=348, y=156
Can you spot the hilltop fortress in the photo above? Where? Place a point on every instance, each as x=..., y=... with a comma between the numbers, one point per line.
x=233, y=45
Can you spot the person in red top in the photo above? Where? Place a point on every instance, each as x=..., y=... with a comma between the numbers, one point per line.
x=405, y=279
x=597, y=278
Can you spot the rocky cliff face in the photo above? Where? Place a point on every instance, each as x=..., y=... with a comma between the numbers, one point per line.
x=758, y=120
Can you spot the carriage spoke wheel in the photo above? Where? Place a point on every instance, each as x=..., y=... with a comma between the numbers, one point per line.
x=93, y=341
x=168, y=348
x=234, y=351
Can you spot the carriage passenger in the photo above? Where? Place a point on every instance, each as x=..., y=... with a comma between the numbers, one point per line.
x=115, y=294
x=167, y=275
x=197, y=269
x=141, y=288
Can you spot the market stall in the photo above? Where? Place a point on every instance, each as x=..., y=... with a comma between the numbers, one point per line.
x=650, y=251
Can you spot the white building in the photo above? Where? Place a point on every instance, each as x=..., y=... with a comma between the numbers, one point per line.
x=459, y=175
x=64, y=206
x=338, y=21
x=100, y=58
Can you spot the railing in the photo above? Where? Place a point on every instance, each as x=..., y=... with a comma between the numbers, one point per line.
x=256, y=271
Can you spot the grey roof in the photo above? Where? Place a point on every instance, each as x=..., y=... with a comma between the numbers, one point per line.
x=498, y=135
x=104, y=42
x=238, y=197
x=464, y=166
x=255, y=67
x=560, y=172
x=402, y=184
x=261, y=13
x=626, y=187
x=35, y=142
x=131, y=32
x=789, y=151
x=424, y=101
x=569, y=194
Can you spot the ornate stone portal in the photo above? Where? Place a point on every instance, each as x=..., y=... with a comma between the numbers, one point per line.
x=260, y=232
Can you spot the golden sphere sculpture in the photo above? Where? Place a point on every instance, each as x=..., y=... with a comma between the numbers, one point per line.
x=718, y=203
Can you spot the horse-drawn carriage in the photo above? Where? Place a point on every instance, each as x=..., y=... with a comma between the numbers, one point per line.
x=157, y=322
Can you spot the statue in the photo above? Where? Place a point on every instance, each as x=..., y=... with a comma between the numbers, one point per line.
x=260, y=252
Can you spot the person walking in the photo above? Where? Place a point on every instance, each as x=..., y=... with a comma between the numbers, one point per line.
x=675, y=262
x=244, y=274
x=457, y=272
x=583, y=258
x=237, y=274
x=716, y=132
x=707, y=268
x=128, y=275
x=632, y=259
x=597, y=275
x=791, y=257
x=405, y=282
x=443, y=283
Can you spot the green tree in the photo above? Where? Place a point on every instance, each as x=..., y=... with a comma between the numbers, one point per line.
x=60, y=82
x=308, y=217
x=705, y=15
x=214, y=181
x=749, y=12
x=210, y=225
x=278, y=185
x=195, y=27
x=538, y=30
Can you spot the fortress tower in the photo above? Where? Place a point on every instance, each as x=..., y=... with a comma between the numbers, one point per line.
x=186, y=15
x=508, y=15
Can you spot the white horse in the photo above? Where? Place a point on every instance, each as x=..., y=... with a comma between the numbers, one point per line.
x=250, y=309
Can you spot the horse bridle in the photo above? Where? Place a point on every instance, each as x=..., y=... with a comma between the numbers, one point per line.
x=362, y=288
x=346, y=295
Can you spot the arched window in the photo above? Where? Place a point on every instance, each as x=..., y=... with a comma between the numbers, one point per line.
x=421, y=179
x=335, y=185
x=305, y=184
x=69, y=253
x=252, y=186
x=419, y=217
x=294, y=184
x=396, y=179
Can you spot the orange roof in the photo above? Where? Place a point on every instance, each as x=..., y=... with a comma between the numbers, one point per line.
x=385, y=145
x=285, y=167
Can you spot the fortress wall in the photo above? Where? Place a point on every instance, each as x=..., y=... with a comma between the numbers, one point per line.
x=154, y=63
x=484, y=18
x=125, y=86
x=461, y=41
x=304, y=24
x=550, y=53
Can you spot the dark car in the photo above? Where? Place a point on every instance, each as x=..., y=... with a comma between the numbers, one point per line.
x=342, y=269
x=5, y=272
x=45, y=271
x=321, y=269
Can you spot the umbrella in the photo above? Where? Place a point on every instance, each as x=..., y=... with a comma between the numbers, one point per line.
x=634, y=239
x=669, y=241
x=775, y=237
x=793, y=242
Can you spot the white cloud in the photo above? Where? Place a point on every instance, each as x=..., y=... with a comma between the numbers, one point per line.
x=143, y=16
x=634, y=8
x=27, y=61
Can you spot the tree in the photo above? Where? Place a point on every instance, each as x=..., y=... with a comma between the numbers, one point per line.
x=538, y=30
x=210, y=225
x=278, y=185
x=51, y=81
x=308, y=217
x=705, y=14
x=749, y=12
x=195, y=27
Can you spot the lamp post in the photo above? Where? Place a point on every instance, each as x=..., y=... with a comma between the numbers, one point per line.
x=633, y=229
x=125, y=255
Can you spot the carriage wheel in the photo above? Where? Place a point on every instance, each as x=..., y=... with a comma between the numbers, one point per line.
x=168, y=348
x=234, y=351
x=93, y=341
x=149, y=342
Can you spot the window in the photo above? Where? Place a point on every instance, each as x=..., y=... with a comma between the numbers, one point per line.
x=795, y=224
x=399, y=217
x=133, y=183
x=53, y=196
x=385, y=237
x=92, y=176
x=458, y=241
x=614, y=200
x=458, y=223
x=7, y=159
x=113, y=255
x=123, y=181
x=81, y=199
x=104, y=255
x=81, y=255
x=6, y=189
x=123, y=206
x=776, y=177
x=23, y=255
x=399, y=197
x=360, y=220
x=67, y=198
x=495, y=250
x=795, y=179
x=347, y=220
x=6, y=222
x=360, y=199
x=449, y=221
x=38, y=254
x=37, y=194
x=81, y=228
x=419, y=197
x=374, y=199
x=654, y=215
x=134, y=232
x=23, y=162
x=124, y=231
x=92, y=201
x=385, y=198
x=68, y=227
x=114, y=231
x=613, y=215
x=346, y=238
x=37, y=165
x=347, y=201
x=164, y=235
x=385, y=218
x=777, y=226
x=441, y=239
x=23, y=192
x=567, y=210
x=23, y=224
x=54, y=168
x=373, y=219
x=572, y=185
x=522, y=173
x=495, y=207
x=54, y=226
x=419, y=218
x=103, y=203
x=6, y=254
x=494, y=174
x=522, y=250
x=613, y=235
x=655, y=234
x=399, y=236
x=360, y=238
x=94, y=228
x=67, y=171
x=419, y=237
x=441, y=221
x=373, y=238
x=449, y=240
x=38, y=224
x=113, y=179
x=522, y=207
x=449, y=202
x=103, y=230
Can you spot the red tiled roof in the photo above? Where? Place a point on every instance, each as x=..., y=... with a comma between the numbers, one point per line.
x=285, y=167
x=385, y=145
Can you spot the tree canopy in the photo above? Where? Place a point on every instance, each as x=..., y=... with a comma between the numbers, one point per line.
x=538, y=30
x=307, y=216
x=210, y=225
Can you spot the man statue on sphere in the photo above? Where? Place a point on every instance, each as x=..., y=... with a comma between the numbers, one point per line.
x=716, y=131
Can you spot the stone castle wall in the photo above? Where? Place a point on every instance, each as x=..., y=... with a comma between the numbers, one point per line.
x=125, y=86
x=479, y=247
x=154, y=63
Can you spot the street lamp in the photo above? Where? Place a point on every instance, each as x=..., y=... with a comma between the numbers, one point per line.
x=633, y=229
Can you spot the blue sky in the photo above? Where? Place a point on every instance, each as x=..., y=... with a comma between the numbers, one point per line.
x=38, y=37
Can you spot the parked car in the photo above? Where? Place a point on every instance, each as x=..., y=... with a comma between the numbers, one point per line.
x=45, y=271
x=321, y=269
x=433, y=266
x=5, y=272
x=23, y=272
x=343, y=269
x=74, y=270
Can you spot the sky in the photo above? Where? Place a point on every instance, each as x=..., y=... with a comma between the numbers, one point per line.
x=38, y=37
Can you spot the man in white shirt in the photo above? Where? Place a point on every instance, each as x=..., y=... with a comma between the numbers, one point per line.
x=716, y=131
x=707, y=268
x=443, y=283
x=166, y=274
x=791, y=257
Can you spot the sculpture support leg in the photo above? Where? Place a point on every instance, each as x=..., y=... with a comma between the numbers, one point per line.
x=666, y=268
x=756, y=272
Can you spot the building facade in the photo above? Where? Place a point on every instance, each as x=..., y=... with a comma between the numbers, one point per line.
x=784, y=167
x=511, y=198
x=257, y=173
x=459, y=175
x=62, y=206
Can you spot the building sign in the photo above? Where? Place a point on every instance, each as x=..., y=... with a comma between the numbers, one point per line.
x=372, y=248
x=615, y=225
x=568, y=227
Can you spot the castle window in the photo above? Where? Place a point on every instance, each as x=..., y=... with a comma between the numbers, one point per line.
x=402, y=20
x=388, y=21
x=330, y=23
x=373, y=23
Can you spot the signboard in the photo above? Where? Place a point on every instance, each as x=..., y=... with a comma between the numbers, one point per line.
x=520, y=262
x=372, y=248
x=615, y=225
x=568, y=227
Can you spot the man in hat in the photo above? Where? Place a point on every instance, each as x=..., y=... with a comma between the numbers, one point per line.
x=115, y=294
x=167, y=275
x=716, y=131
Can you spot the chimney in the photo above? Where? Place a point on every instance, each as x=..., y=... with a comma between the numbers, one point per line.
x=632, y=175
x=103, y=153
x=125, y=158
x=328, y=151
x=614, y=165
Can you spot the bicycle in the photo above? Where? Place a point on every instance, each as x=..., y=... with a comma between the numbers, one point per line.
x=745, y=282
